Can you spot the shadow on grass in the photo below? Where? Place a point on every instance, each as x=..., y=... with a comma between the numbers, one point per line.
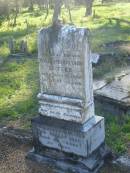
x=25, y=102
x=17, y=34
x=112, y=57
x=112, y=30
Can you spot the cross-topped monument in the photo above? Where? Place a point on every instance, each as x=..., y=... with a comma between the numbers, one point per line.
x=67, y=123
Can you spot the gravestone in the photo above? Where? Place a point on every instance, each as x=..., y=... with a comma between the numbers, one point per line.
x=65, y=74
x=11, y=44
x=23, y=47
x=67, y=133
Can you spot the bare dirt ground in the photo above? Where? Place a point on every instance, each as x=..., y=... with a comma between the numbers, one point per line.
x=12, y=159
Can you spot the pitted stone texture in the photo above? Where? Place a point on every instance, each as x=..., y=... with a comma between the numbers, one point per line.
x=66, y=72
x=69, y=137
x=118, y=90
x=64, y=163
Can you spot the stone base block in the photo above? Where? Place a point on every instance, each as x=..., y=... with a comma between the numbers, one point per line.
x=68, y=137
x=62, y=163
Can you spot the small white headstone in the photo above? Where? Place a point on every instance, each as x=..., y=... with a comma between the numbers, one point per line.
x=95, y=58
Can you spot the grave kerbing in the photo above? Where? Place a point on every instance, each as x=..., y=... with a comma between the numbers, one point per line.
x=67, y=133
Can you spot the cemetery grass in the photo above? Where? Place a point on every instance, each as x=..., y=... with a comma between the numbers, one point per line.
x=109, y=25
x=18, y=102
x=117, y=131
x=18, y=90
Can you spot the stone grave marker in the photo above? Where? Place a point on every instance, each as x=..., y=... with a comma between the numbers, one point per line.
x=67, y=128
x=65, y=74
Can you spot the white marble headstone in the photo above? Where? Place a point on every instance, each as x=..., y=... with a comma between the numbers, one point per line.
x=65, y=74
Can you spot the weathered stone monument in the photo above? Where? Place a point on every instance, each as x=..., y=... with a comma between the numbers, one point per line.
x=67, y=134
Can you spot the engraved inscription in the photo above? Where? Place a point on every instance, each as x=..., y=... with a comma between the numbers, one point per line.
x=58, y=138
x=62, y=62
x=64, y=76
x=73, y=139
x=60, y=110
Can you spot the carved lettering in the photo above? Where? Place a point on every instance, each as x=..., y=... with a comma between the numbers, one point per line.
x=70, y=140
x=63, y=73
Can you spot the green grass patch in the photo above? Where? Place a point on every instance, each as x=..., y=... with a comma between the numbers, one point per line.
x=117, y=130
x=4, y=50
x=18, y=88
x=108, y=66
x=103, y=30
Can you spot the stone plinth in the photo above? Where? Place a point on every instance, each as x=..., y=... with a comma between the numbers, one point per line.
x=69, y=146
x=69, y=137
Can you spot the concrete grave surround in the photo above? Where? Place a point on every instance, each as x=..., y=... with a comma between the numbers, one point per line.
x=67, y=124
x=114, y=96
x=65, y=74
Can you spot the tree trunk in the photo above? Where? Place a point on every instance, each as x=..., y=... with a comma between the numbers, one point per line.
x=57, y=10
x=102, y=2
x=15, y=18
x=16, y=13
x=31, y=5
x=47, y=11
x=70, y=16
x=67, y=5
x=89, y=5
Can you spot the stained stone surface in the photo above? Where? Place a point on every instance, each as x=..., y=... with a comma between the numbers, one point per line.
x=67, y=127
x=117, y=90
x=65, y=73
x=69, y=137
